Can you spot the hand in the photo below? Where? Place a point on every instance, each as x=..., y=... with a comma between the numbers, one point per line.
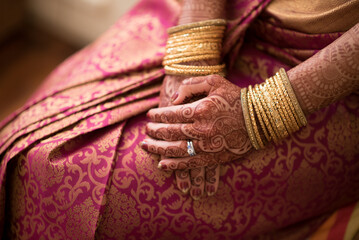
x=198, y=180
x=215, y=124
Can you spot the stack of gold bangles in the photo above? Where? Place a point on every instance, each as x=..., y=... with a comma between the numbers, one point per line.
x=271, y=108
x=194, y=42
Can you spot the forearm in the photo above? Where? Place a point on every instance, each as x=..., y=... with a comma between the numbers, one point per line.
x=200, y=10
x=329, y=75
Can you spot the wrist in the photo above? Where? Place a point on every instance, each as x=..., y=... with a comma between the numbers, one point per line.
x=201, y=10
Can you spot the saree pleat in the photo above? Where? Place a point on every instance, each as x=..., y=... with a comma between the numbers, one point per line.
x=71, y=166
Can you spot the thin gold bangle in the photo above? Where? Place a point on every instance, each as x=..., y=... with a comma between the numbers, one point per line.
x=191, y=54
x=289, y=101
x=292, y=96
x=212, y=22
x=213, y=34
x=271, y=126
x=282, y=132
x=195, y=72
x=195, y=48
x=247, y=120
x=200, y=29
x=198, y=41
x=273, y=94
x=259, y=115
x=285, y=105
x=253, y=121
x=214, y=67
x=190, y=59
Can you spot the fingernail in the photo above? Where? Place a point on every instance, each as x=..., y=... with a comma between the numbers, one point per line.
x=210, y=190
x=159, y=166
x=174, y=96
x=184, y=187
x=148, y=114
x=196, y=194
x=144, y=146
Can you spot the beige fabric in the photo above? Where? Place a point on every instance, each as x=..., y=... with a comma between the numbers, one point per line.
x=316, y=16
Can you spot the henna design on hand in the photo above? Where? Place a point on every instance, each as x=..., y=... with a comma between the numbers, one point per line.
x=215, y=124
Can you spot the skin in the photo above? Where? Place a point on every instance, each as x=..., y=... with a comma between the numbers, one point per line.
x=196, y=181
x=215, y=122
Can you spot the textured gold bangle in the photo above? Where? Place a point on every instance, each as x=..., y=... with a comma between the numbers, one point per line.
x=195, y=48
x=271, y=126
x=286, y=98
x=247, y=120
x=204, y=29
x=198, y=41
x=196, y=71
x=253, y=121
x=196, y=35
x=190, y=59
x=274, y=112
x=191, y=54
x=212, y=22
x=285, y=105
x=257, y=110
x=273, y=94
x=213, y=67
x=292, y=96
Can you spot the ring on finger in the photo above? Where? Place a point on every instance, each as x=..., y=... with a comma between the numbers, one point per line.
x=190, y=149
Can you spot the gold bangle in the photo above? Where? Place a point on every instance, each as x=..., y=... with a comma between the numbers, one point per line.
x=286, y=98
x=264, y=115
x=271, y=126
x=194, y=48
x=190, y=59
x=212, y=22
x=198, y=41
x=191, y=54
x=282, y=132
x=292, y=96
x=257, y=110
x=247, y=120
x=253, y=121
x=204, y=29
x=198, y=70
x=285, y=105
x=214, y=67
x=273, y=94
x=200, y=35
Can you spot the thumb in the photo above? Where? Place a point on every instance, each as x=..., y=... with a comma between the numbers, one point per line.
x=191, y=87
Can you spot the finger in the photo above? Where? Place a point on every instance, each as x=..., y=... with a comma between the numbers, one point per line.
x=168, y=132
x=212, y=179
x=197, y=176
x=183, y=180
x=200, y=160
x=174, y=149
x=173, y=114
x=190, y=88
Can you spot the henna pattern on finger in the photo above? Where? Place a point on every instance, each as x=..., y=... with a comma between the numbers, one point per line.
x=218, y=125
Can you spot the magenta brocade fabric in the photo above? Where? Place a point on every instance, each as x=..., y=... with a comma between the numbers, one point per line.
x=71, y=167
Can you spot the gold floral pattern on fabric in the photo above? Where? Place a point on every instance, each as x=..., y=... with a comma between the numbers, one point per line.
x=84, y=175
x=82, y=219
x=215, y=210
x=341, y=135
x=120, y=217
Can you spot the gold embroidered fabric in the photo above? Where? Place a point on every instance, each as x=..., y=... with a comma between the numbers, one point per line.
x=315, y=16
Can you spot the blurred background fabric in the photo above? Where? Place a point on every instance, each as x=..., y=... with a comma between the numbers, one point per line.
x=37, y=35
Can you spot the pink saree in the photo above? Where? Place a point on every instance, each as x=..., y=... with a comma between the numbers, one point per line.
x=71, y=167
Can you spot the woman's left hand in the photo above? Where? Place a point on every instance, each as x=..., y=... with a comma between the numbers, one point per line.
x=214, y=124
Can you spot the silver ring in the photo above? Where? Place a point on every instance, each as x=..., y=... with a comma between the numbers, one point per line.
x=190, y=148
